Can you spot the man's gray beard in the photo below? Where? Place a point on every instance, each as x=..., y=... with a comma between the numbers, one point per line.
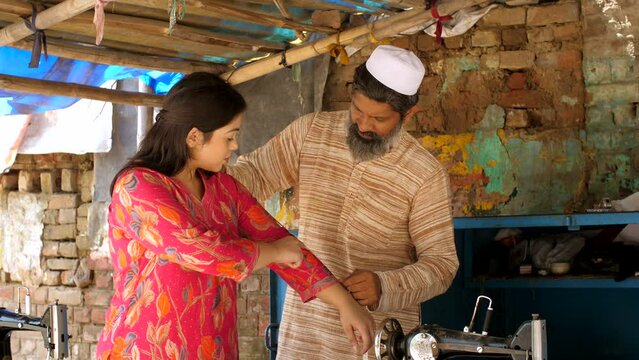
x=366, y=150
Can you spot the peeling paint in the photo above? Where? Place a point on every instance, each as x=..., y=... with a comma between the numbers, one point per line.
x=454, y=67
x=572, y=101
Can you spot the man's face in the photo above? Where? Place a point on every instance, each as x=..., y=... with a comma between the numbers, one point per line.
x=373, y=127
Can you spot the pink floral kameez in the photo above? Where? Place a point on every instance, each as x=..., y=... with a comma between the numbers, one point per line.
x=177, y=261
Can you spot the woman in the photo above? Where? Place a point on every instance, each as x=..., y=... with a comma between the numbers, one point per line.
x=182, y=235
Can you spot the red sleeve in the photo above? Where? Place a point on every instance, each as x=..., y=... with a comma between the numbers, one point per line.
x=255, y=223
x=144, y=207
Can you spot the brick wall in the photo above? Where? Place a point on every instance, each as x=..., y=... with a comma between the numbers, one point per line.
x=73, y=271
x=514, y=107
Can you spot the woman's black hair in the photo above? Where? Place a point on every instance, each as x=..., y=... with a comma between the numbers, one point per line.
x=370, y=87
x=200, y=100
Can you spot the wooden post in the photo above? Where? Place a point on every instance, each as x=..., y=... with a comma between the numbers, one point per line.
x=45, y=19
x=384, y=28
x=55, y=88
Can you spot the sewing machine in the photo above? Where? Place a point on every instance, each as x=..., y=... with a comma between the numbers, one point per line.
x=430, y=342
x=52, y=325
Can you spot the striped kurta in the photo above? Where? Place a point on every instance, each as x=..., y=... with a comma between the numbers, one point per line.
x=391, y=215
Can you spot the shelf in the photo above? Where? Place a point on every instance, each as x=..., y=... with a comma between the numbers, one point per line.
x=564, y=282
x=571, y=221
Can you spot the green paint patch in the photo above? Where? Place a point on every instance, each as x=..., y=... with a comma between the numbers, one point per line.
x=455, y=67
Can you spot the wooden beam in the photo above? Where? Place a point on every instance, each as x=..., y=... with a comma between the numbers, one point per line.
x=55, y=88
x=222, y=10
x=395, y=24
x=45, y=19
x=306, y=4
x=102, y=55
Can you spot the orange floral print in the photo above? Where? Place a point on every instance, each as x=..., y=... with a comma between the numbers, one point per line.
x=177, y=261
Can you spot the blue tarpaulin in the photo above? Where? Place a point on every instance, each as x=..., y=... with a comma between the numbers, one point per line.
x=16, y=62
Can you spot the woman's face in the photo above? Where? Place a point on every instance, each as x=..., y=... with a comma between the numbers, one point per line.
x=215, y=153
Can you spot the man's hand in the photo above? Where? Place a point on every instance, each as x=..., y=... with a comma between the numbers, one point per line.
x=365, y=288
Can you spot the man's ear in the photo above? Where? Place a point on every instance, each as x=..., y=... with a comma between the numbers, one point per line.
x=409, y=115
x=194, y=138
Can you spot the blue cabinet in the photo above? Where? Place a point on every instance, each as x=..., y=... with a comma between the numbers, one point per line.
x=588, y=317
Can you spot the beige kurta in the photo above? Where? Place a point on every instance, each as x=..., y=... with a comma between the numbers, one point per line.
x=391, y=215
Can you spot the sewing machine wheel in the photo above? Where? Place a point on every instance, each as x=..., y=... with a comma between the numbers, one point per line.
x=389, y=341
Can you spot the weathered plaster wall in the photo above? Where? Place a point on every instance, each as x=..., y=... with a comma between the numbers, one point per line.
x=524, y=109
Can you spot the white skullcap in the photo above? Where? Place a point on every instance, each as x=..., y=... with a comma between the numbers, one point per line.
x=398, y=69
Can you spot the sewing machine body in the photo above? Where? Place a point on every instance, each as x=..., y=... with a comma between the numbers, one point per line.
x=433, y=342
x=52, y=326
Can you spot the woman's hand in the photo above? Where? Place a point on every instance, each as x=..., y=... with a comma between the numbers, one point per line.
x=285, y=251
x=289, y=251
x=357, y=322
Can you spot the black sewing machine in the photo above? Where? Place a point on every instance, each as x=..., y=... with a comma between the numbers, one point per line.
x=52, y=325
x=430, y=342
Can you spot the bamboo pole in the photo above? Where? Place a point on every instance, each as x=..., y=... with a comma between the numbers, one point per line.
x=55, y=88
x=384, y=28
x=101, y=55
x=45, y=19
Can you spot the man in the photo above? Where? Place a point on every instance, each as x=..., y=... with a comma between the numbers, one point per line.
x=374, y=205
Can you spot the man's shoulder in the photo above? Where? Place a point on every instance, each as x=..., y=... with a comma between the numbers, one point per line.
x=417, y=160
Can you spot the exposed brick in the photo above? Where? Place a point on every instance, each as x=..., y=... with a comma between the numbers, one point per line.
x=513, y=37
x=82, y=224
x=7, y=293
x=48, y=182
x=63, y=201
x=516, y=59
x=567, y=59
x=91, y=333
x=68, y=249
x=26, y=180
x=83, y=210
x=62, y=264
x=81, y=351
x=9, y=181
x=517, y=118
x=505, y=16
x=97, y=297
x=622, y=69
x=617, y=93
x=103, y=279
x=83, y=242
x=521, y=99
x=67, y=278
x=426, y=43
x=521, y=2
x=455, y=42
x=69, y=180
x=566, y=31
x=98, y=315
x=65, y=295
x=517, y=81
x=625, y=116
x=81, y=315
x=599, y=118
x=252, y=284
x=486, y=38
x=541, y=34
x=553, y=14
x=50, y=248
x=489, y=62
x=51, y=278
x=58, y=232
x=596, y=71
x=50, y=217
x=39, y=295
x=86, y=194
x=66, y=216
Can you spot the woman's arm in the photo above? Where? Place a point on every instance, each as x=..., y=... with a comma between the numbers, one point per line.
x=357, y=322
